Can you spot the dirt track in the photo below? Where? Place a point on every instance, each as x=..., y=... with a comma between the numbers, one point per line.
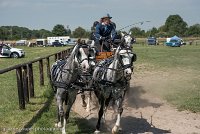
x=146, y=113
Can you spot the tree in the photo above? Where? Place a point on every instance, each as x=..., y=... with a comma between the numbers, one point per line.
x=137, y=32
x=80, y=33
x=42, y=33
x=193, y=30
x=152, y=32
x=175, y=25
x=59, y=30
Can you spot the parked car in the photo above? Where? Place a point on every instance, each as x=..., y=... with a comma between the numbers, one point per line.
x=151, y=41
x=7, y=51
x=174, y=42
x=57, y=44
x=70, y=42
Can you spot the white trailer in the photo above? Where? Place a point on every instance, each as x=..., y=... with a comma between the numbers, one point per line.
x=21, y=42
x=41, y=42
x=61, y=39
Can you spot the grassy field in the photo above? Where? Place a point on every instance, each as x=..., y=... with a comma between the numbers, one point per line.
x=182, y=88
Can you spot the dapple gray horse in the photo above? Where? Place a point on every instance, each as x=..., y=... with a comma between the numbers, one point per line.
x=111, y=79
x=68, y=81
x=127, y=39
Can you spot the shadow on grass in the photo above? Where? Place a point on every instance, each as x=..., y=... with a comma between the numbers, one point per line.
x=84, y=126
x=44, y=116
x=37, y=116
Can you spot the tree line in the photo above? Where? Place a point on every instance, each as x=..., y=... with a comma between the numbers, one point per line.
x=174, y=25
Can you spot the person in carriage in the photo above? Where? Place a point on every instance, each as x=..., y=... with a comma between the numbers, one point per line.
x=104, y=34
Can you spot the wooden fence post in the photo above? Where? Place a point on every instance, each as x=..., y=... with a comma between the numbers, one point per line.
x=48, y=67
x=20, y=88
x=56, y=57
x=41, y=72
x=31, y=80
x=25, y=83
x=61, y=55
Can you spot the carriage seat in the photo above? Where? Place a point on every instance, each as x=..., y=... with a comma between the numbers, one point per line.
x=103, y=55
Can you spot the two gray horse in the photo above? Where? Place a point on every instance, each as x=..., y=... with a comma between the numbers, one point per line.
x=109, y=79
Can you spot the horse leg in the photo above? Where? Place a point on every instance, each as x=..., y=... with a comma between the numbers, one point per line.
x=60, y=112
x=83, y=99
x=106, y=107
x=88, y=102
x=116, y=128
x=100, y=114
x=71, y=97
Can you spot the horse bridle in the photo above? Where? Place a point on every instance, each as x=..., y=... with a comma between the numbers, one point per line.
x=128, y=65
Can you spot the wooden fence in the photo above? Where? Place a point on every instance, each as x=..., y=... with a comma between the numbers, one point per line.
x=24, y=74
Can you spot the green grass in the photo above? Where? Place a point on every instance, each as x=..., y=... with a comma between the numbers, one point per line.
x=181, y=87
x=169, y=57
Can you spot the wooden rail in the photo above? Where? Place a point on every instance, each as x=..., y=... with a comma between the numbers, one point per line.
x=25, y=75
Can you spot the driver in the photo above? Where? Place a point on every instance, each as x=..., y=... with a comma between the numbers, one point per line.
x=104, y=33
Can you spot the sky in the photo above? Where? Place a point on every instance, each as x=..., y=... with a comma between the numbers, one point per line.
x=45, y=14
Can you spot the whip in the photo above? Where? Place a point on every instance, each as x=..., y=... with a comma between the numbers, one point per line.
x=141, y=22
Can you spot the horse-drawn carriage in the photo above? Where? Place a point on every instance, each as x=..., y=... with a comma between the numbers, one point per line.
x=109, y=75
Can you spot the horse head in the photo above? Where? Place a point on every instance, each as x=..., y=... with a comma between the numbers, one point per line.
x=126, y=57
x=82, y=55
x=127, y=38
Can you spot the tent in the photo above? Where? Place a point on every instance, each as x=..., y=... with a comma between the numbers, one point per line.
x=175, y=38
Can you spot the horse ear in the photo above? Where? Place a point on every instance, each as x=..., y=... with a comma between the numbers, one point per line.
x=130, y=33
x=122, y=34
x=79, y=41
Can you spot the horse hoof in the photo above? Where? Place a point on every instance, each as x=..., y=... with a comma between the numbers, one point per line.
x=115, y=130
x=63, y=131
x=97, y=132
x=59, y=125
